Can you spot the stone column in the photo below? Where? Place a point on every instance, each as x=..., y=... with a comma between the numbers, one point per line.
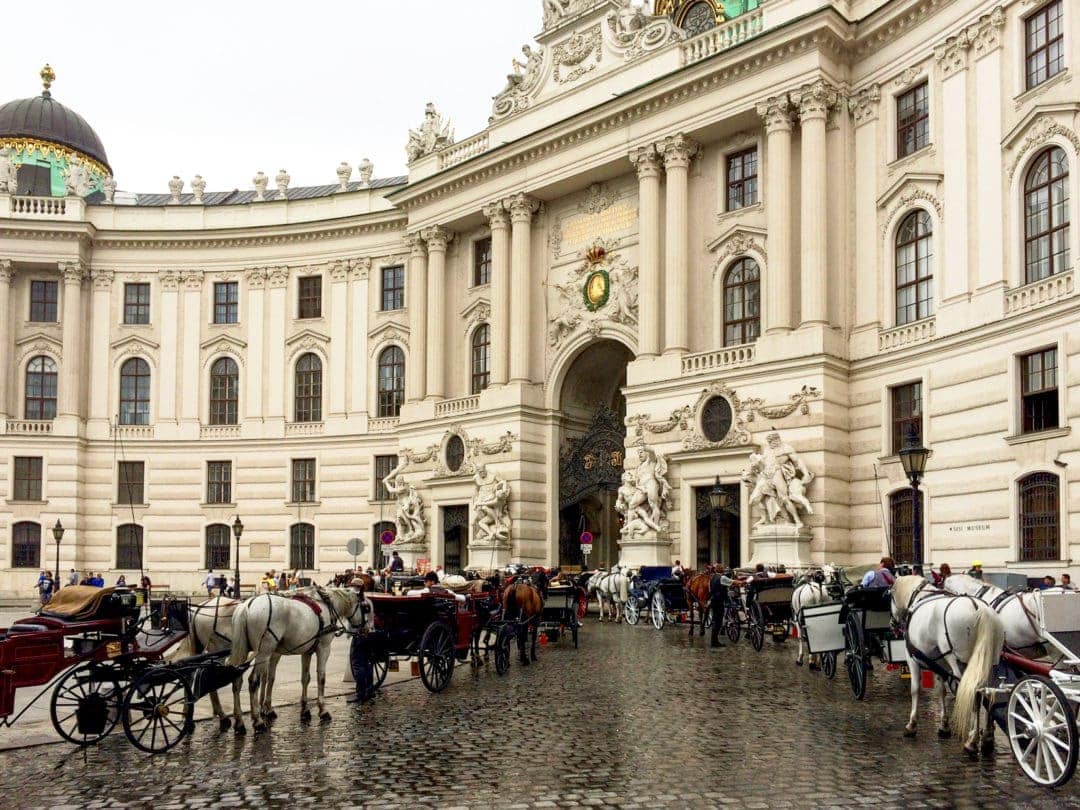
x=275, y=342
x=416, y=283
x=864, y=107
x=647, y=162
x=7, y=270
x=814, y=103
x=778, y=276
x=678, y=151
x=500, y=291
x=358, y=357
x=335, y=381
x=193, y=319
x=101, y=323
x=522, y=207
x=72, y=340
x=256, y=284
x=169, y=284
x=437, y=239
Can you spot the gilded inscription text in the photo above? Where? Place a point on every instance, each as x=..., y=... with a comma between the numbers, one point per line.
x=620, y=217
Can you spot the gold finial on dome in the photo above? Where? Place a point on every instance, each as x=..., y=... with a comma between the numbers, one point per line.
x=48, y=75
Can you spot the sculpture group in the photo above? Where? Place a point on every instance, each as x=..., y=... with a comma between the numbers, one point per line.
x=778, y=479
x=432, y=136
x=412, y=529
x=491, y=510
x=644, y=497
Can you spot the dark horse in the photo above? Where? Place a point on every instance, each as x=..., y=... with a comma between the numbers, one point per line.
x=523, y=602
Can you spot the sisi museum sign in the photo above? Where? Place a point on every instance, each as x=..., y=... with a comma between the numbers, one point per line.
x=712, y=275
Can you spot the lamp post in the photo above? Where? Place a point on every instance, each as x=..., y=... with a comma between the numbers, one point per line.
x=718, y=500
x=58, y=535
x=913, y=457
x=237, y=530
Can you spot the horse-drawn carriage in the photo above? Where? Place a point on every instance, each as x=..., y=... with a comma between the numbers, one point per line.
x=656, y=589
x=563, y=610
x=110, y=653
x=767, y=605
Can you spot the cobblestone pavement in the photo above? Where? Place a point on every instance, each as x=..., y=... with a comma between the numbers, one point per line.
x=634, y=718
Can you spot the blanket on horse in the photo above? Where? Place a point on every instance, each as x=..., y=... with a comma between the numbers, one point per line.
x=76, y=602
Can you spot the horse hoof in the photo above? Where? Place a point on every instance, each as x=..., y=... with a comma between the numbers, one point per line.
x=909, y=733
x=258, y=728
x=987, y=746
x=240, y=730
x=305, y=715
x=324, y=717
x=224, y=724
x=944, y=733
x=270, y=716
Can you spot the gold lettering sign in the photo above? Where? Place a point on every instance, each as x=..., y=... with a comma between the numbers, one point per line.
x=590, y=461
x=622, y=216
x=616, y=458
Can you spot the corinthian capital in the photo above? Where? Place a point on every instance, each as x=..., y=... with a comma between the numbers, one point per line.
x=863, y=105
x=339, y=270
x=815, y=100
x=103, y=279
x=278, y=277
x=168, y=279
x=497, y=215
x=952, y=55
x=361, y=267
x=73, y=272
x=256, y=278
x=192, y=279
x=522, y=207
x=415, y=243
x=678, y=151
x=437, y=238
x=7, y=270
x=646, y=160
x=985, y=35
x=776, y=113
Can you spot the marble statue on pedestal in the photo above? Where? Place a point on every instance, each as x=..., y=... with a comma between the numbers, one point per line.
x=432, y=136
x=778, y=479
x=491, y=510
x=409, y=517
x=644, y=497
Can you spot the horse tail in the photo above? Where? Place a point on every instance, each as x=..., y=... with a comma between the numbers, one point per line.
x=241, y=646
x=624, y=587
x=187, y=647
x=989, y=638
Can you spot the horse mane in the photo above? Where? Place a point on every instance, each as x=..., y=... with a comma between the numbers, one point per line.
x=904, y=587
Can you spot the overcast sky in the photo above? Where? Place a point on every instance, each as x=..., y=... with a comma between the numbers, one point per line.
x=227, y=88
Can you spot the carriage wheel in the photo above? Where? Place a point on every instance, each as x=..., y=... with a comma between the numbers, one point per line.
x=1041, y=724
x=855, y=655
x=436, y=657
x=380, y=666
x=85, y=704
x=158, y=710
x=574, y=633
x=732, y=624
x=857, y=676
x=828, y=665
x=632, y=610
x=582, y=603
x=658, y=611
x=502, y=649
x=755, y=626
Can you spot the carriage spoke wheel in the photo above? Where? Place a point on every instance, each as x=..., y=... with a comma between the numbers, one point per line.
x=828, y=665
x=158, y=708
x=732, y=625
x=436, y=657
x=855, y=656
x=632, y=610
x=502, y=649
x=380, y=666
x=85, y=704
x=658, y=611
x=1042, y=731
x=755, y=626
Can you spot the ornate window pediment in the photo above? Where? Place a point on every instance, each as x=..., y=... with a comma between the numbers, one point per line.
x=134, y=344
x=735, y=241
x=906, y=192
x=221, y=343
x=37, y=343
x=389, y=332
x=1045, y=123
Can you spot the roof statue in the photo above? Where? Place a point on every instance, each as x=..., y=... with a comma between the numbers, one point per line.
x=432, y=136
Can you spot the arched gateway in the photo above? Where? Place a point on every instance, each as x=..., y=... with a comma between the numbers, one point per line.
x=591, y=409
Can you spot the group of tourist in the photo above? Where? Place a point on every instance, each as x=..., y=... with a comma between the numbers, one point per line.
x=47, y=584
x=272, y=582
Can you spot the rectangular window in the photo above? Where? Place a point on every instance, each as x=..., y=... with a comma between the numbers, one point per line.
x=303, y=480
x=136, y=303
x=1044, y=43
x=482, y=261
x=226, y=302
x=219, y=482
x=906, y=412
x=129, y=488
x=1039, y=393
x=310, y=292
x=912, y=120
x=43, y=297
x=742, y=179
x=383, y=466
x=27, y=478
x=393, y=287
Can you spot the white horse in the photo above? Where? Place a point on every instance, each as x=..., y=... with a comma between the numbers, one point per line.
x=1019, y=612
x=611, y=587
x=808, y=594
x=302, y=623
x=959, y=633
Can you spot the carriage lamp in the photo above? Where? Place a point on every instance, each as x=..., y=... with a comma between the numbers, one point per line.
x=913, y=456
x=58, y=535
x=237, y=530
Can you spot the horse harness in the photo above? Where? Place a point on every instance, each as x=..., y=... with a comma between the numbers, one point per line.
x=933, y=664
x=325, y=628
x=198, y=609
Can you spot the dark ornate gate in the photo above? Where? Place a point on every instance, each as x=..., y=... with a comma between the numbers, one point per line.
x=589, y=466
x=455, y=538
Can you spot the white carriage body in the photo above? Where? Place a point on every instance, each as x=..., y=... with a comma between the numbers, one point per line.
x=824, y=631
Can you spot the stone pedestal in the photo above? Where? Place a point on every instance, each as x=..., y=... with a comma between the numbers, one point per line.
x=409, y=554
x=650, y=549
x=780, y=544
x=486, y=557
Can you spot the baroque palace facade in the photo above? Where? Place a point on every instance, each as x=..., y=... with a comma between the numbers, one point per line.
x=685, y=227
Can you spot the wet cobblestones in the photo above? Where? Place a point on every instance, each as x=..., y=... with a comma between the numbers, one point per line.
x=633, y=719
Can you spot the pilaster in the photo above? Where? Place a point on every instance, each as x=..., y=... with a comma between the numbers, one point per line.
x=814, y=102
x=169, y=286
x=278, y=280
x=499, y=220
x=71, y=379
x=7, y=271
x=255, y=278
x=100, y=323
x=358, y=357
x=416, y=363
x=864, y=106
x=339, y=323
x=192, y=281
x=776, y=113
x=522, y=207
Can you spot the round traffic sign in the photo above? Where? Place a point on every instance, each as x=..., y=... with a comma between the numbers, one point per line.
x=386, y=538
x=355, y=547
x=586, y=538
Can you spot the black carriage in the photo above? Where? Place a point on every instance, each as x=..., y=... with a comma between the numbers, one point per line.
x=655, y=589
x=643, y=585
x=868, y=632
x=562, y=612
x=767, y=604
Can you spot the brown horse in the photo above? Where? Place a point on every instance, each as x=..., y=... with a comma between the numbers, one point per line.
x=697, y=596
x=523, y=601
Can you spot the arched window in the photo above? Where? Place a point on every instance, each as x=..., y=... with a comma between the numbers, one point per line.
x=129, y=547
x=1046, y=215
x=135, y=392
x=26, y=545
x=1040, y=518
x=217, y=546
x=914, y=268
x=481, y=358
x=302, y=546
x=308, y=389
x=224, y=392
x=391, y=381
x=902, y=524
x=40, y=400
x=742, y=303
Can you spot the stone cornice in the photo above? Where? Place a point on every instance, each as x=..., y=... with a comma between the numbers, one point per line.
x=893, y=21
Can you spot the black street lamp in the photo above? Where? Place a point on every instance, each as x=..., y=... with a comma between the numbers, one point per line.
x=58, y=535
x=718, y=500
x=237, y=530
x=913, y=457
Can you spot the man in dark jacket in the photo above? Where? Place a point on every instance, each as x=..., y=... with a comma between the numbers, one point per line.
x=718, y=597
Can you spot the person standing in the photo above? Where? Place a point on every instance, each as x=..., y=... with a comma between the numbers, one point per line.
x=73, y=577
x=210, y=581
x=45, y=586
x=719, y=583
